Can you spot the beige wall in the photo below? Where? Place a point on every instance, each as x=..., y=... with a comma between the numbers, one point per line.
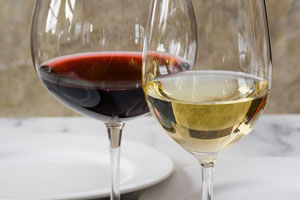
x=22, y=95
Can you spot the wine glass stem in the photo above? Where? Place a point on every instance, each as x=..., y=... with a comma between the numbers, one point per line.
x=114, y=130
x=207, y=180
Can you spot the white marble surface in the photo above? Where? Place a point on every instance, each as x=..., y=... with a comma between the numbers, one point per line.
x=272, y=136
x=269, y=156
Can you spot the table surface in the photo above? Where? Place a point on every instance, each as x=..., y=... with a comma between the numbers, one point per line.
x=263, y=165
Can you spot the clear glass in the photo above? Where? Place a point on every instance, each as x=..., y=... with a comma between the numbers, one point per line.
x=207, y=73
x=88, y=55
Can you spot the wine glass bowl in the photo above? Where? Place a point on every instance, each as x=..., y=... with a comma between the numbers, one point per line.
x=208, y=82
x=75, y=46
x=88, y=55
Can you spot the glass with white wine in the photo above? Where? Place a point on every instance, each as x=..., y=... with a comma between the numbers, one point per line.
x=207, y=73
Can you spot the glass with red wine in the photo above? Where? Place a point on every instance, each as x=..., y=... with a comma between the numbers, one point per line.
x=88, y=55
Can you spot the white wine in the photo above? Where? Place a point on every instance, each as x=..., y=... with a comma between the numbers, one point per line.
x=206, y=111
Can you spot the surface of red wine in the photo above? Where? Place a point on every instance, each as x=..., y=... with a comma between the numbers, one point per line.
x=99, y=85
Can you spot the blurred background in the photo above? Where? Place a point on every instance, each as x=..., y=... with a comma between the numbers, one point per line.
x=22, y=94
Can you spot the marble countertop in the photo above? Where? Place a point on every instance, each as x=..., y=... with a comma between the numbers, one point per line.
x=270, y=152
x=272, y=136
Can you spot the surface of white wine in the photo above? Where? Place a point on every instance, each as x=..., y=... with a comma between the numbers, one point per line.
x=206, y=111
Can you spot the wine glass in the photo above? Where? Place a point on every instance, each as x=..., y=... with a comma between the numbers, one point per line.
x=207, y=73
x=88, y=54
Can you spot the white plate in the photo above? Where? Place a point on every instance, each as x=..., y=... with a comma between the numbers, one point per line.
x=58, y=166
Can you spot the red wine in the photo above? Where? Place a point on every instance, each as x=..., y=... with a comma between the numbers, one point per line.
x=99, y=85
